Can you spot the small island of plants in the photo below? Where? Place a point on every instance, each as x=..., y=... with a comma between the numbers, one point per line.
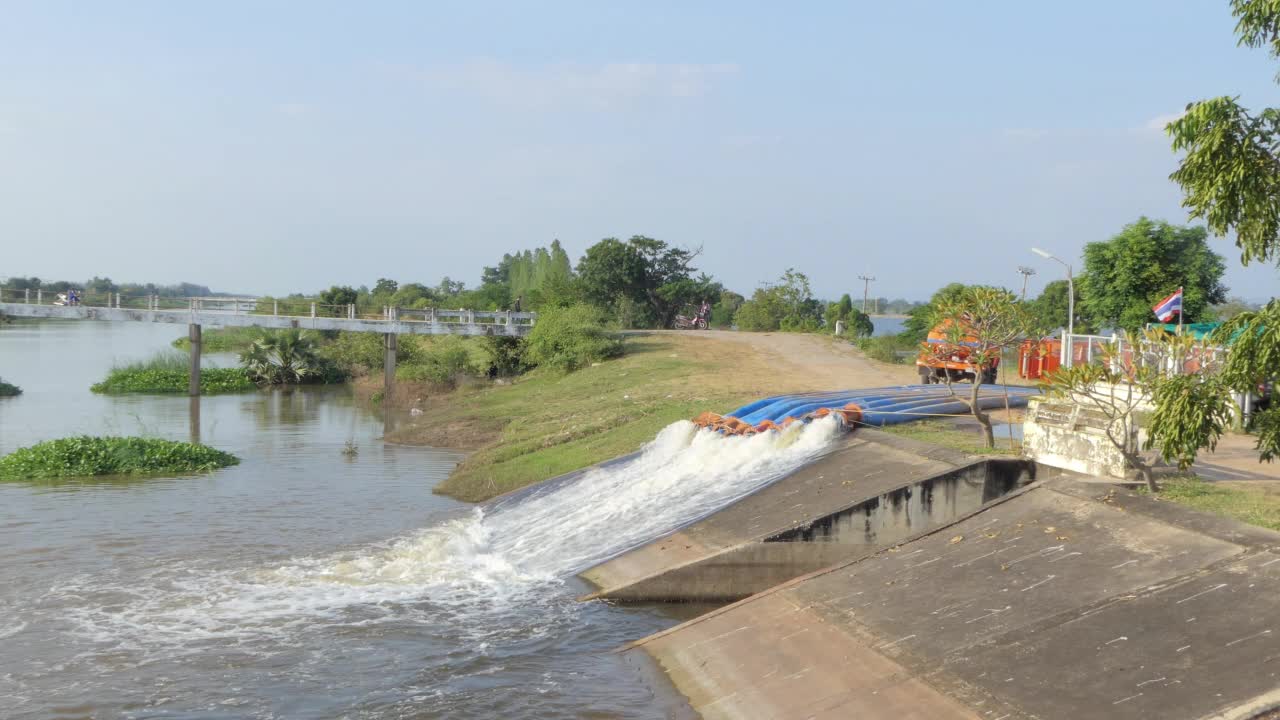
x=9, y=389
x=86, y=456
x=169, y=373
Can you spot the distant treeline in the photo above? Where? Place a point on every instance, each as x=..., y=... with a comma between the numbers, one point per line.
x=101, y=285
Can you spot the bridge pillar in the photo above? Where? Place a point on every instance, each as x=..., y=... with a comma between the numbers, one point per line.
x=193, y=385
x=388, y=366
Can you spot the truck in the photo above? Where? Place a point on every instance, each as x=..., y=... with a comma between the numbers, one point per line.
x=937, y=366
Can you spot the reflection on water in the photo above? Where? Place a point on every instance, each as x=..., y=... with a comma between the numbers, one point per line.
x=291, y=585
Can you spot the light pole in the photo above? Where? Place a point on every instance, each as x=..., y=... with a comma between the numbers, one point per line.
x=1026, y=273
x=1066, y=356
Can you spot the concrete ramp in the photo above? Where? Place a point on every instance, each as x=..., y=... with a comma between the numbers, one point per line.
x=875, y=490
x=1063, y=600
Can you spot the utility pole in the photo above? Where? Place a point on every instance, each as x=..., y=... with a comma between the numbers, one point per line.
x=1026, y=273
x=866, y=286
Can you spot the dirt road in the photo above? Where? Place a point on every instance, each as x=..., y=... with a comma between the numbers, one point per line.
x=798, y=362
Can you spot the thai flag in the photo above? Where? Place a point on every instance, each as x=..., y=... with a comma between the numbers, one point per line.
x=1168, y=307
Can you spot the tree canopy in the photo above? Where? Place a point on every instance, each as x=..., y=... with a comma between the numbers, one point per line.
x=645, y=281
x=1229, y=174
x=1148, y=260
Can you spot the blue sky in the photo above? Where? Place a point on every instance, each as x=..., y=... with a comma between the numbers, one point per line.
x=270, y=147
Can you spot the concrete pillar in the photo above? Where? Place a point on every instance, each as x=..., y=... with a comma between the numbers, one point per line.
x=26, y=295
x=193, y=386
x=193, y=419
x=117, y=301
x=313, y=309
x=388, y=366
x=40, y=296
x=275, y=307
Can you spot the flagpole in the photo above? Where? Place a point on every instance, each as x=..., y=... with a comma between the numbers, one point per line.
x=1182, y=302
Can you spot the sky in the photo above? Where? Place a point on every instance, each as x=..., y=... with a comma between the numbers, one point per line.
x=288, y=146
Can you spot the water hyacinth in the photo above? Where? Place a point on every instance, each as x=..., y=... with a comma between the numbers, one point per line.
x=85, y=456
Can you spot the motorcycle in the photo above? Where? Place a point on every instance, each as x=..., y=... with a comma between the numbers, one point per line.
x=694, y=322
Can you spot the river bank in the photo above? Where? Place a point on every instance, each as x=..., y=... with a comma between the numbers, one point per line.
x=545, y=424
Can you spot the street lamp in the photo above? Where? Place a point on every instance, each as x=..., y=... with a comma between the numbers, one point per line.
x=1066, y=356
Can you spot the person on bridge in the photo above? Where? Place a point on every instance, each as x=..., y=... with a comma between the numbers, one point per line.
x=73, y=298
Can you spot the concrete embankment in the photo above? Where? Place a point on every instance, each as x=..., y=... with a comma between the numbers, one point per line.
x=874, y=490
x=1060, y=600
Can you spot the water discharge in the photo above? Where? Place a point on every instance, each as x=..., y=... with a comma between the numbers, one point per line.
x=478, y=571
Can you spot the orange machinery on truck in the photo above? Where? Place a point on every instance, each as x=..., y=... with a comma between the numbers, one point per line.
x=942, y=358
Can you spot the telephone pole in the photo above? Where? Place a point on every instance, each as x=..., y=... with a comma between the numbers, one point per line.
x=1026, y=273
x=866, y=286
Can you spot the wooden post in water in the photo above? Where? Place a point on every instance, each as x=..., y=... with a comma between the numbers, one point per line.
x=388, y=367
x=193, y=419
x=193, y=385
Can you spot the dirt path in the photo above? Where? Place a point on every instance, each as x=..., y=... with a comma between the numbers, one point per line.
x=793, y=362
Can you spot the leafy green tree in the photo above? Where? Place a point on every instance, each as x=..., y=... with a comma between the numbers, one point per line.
x=1126, y=275
x=1053, y=306
x=981, y=322
x=1229, y=173
x=643, y=274
x=725, y=308
x=385, y=286
x=785, y=305
x=921, y=318
x=1253, y=357
x=339, y=295
x=857, y=324
x=570, y=338
x=1224, y=311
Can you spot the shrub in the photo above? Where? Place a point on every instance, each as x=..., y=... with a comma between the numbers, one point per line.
x=570, y=338
x=505, y=354
x=9, y=389
x=287, y=357
x=445, y=362
x=85, y=456
x=357, y=353
x=886, y=347
x=168, y=373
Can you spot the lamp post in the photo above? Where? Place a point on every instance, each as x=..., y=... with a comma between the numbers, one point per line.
x=1067, y=354
x=1027, y=272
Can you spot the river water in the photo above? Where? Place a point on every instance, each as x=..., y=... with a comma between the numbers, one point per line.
x=302, y=584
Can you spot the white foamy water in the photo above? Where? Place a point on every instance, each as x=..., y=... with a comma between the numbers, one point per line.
x=477, y=572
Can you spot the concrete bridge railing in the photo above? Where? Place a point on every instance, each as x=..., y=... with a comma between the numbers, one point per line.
x=196, y=312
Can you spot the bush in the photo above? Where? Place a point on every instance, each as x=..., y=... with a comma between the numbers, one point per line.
x=570, y=338
x=85, y=456
x=9, y=389
x=357, y=353
x=506, y=354
x=444, y=362
x=168, y=373
x=886, y=347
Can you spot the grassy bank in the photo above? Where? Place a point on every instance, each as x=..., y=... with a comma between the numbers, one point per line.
x=549, y=423
x=953, y=434
x=9, y=389
x=86, y=456
x=1254, y=504
x=168, y=373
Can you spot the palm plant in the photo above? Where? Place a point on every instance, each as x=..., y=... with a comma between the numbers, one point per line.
x=284, y=357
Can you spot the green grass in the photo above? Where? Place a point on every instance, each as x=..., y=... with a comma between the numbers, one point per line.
x=1251, y=505
x=86, y=456
x=550, y=423
x=168, y=373
x=225, y=339
x=946, y=434
x=9, y=389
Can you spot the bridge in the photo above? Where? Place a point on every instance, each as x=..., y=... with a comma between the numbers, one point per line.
x=301, y=313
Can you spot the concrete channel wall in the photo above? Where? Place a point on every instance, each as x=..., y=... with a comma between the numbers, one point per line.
x=875, y=490
x=1060, y=600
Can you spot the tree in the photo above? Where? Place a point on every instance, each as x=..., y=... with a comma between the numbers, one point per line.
x=1191, y=410
x=643, y=274
x=385, y=286
x=1232, y=307
x=1128, y=274
x=1252, y=358
x=1229, y=175
x=725, y=308
x=1052, y=307
x=856, y=323
x=785, y=305
x=920, y=319
x=338, y=295
x=980, y=323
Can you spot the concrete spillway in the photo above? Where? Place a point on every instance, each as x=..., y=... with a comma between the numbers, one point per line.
x=872, y=490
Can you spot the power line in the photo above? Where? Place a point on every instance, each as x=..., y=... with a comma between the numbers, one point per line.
x=866, y=286
x=1026, y=273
